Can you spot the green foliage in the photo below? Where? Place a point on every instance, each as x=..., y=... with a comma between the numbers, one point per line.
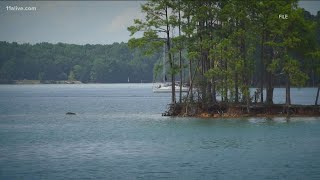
x=71, y=76
x=232, y=45
x=7, y=70
x=274, y=65
x=292, y=68
x=86, y=63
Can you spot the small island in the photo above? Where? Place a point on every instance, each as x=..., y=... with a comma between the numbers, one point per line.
x=222, y=50
x=224, y=110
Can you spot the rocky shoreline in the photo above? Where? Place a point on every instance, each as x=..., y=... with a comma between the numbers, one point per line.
x=223, y=110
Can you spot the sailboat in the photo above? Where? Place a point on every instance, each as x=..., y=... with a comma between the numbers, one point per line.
x=166, y=87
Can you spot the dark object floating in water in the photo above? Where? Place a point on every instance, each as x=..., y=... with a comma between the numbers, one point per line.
x=70, y=113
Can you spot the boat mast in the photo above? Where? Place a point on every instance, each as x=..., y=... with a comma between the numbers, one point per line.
x=164, y=63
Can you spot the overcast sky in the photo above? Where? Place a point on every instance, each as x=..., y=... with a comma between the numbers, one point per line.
x=77, y=22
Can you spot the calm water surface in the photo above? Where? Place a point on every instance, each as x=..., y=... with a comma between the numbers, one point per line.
x=118, y=133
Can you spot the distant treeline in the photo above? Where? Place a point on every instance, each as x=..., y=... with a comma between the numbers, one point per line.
x=113, y=63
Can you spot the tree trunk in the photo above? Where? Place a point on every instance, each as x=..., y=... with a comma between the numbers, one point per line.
x=269, y=76
x=190, y=80
x=225, y=91
x=316, y=103
x=236, y=87
x=190, y=89
x=226, y=84
x=214, y=93
x=269, y=88
x=203, y=58
x=262, y=68
x=209, y=83
x=288, y=98
x=173, y=91
x=180, y=60
x=246, y=70
x=212, y=61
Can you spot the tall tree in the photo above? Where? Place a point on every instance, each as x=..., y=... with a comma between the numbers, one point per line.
x=157, y=23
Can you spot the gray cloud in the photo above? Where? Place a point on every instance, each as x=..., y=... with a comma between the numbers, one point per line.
x=78, y=22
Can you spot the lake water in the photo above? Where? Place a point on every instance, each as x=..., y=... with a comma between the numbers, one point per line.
x=119, y=133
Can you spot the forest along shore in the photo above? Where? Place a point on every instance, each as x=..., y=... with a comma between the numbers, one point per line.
x=39, y=82
x=219, y=110
x=47, y=62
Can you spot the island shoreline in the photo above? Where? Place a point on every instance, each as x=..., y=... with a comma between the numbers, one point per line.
x=224, y=110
